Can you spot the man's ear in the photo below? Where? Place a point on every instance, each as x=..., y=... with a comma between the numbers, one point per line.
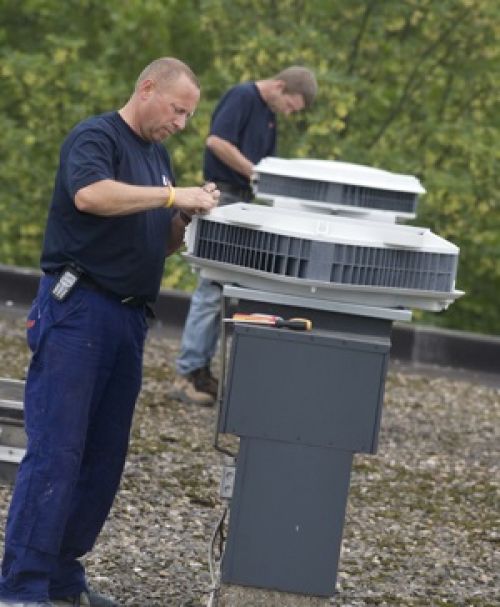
x=146, y=88
x=280, y=86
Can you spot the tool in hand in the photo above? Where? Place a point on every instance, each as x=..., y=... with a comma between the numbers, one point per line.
x=298, y=324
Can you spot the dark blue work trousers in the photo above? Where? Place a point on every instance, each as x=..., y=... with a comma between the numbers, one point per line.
x=83, y=381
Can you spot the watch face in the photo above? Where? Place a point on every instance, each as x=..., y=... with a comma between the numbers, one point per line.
x=185, y=217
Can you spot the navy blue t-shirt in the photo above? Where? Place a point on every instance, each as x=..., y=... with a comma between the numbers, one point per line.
x=244, y=119
x=124, y=254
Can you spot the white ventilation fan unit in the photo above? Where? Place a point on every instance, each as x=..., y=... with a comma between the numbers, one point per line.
x=324, y=257
x=336, y=187
x=329, y=250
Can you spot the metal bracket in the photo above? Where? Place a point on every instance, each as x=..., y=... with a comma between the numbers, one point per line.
x=227, y=479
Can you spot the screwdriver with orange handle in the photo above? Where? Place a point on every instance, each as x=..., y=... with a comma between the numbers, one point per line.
x=298, y=324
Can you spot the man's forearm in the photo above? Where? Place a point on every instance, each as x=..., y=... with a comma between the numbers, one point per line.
x=111, y=198
x=230, y=155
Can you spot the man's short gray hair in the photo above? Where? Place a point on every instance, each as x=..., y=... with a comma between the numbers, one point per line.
x=166, y=70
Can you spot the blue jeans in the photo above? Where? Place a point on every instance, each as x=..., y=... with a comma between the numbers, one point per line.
x=83, y=381
x=202, y=327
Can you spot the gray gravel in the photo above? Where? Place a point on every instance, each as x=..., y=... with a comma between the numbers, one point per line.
x=422, y=525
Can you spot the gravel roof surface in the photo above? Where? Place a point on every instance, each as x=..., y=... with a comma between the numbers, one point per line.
x=422, y=526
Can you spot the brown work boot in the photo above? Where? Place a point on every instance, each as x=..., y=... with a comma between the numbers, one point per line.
x=198, y=387
x=206, y=380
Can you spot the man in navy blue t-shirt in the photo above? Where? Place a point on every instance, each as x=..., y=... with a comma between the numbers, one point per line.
x=242, y=132
x=115, y=215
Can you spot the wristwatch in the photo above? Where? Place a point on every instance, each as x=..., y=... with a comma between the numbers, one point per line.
x=185, y=217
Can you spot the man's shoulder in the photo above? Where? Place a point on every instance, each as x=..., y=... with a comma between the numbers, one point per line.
x=244, y=89
x=242, y=97
x=106, y=123
x=103, y=128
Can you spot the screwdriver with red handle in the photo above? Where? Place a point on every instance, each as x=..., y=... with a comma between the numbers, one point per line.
x=298, y=324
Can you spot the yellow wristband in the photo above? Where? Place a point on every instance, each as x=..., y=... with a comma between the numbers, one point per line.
x=171, y=197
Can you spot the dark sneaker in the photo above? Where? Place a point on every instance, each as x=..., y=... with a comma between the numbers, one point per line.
x=98, y=600
x=80, y=600
x=6, y=603
x=198, y=387
x=85, y=599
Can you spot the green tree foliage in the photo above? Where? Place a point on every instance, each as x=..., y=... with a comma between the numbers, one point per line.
x=59, y=63
x=406, y=85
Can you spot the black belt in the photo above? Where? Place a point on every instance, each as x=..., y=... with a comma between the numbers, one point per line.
x=131, y=301
x=245, y=194
x=87, y=282
x=135, y=302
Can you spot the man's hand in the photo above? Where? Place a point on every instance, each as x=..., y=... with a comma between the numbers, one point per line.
x=197, y=201
x=190, y=201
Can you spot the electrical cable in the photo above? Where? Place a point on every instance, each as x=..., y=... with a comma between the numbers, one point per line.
x=215, y=575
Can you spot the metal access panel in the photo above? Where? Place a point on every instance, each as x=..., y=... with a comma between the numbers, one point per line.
x=309, y=388
x=287, y=516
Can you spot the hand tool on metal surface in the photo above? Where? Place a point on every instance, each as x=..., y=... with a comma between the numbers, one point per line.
x=298, y=324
